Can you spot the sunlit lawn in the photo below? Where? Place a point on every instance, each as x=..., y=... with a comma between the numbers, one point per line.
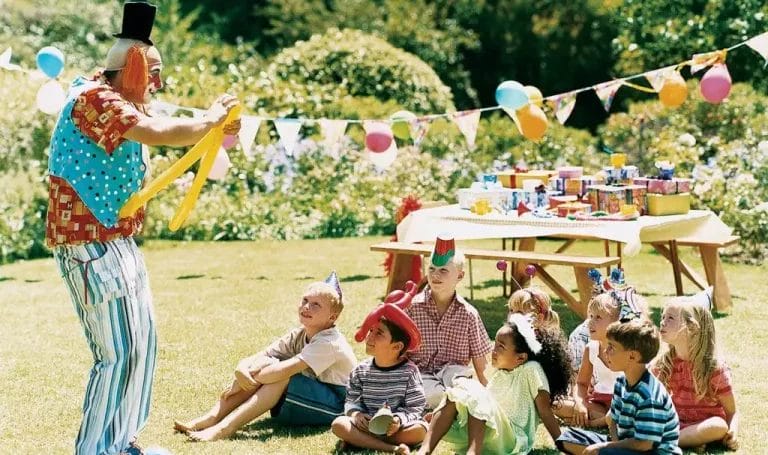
x=218, y=302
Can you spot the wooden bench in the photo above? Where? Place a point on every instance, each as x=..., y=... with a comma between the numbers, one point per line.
x=710, y=258
x=403, y=252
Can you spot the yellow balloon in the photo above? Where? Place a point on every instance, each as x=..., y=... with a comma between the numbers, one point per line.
x=674, y=91
x=207, y=148
x=532, y=122
x=534, y=95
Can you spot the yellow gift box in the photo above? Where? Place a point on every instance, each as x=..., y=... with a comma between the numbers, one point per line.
x=514, y=179
x=669, y=204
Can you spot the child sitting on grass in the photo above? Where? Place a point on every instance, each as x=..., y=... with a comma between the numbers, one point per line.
x=699, y=382
x=595, y=380
x=388, y=379
x=642, y=418
x=530, y=369
x=300, y=378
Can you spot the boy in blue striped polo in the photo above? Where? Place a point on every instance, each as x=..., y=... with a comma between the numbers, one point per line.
x=387, y=383
x=642, y=417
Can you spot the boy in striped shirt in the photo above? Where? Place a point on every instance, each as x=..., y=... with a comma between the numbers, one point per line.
x=642, y=417
x=387, y=379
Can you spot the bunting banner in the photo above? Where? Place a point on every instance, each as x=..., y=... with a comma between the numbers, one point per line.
x=288, y=130
x=467, y=121
x=249, y=128
x=700, y=61
x=607, y=91
x=332, y=131
x=759, y=44
x=657, y=77
x=563, y=105
x=419, y=128
x=514, y=118
x=5, y=61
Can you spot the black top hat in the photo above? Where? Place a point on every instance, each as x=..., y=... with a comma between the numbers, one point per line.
x=138, y=19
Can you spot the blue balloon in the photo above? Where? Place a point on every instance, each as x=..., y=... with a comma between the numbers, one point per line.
x=50, y=61
x=511, y=94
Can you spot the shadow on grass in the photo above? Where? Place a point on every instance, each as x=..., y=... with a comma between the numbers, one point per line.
x=6, y=278
x=351, y=278
x=190, y=277
x=32, y=281
x=266, y=429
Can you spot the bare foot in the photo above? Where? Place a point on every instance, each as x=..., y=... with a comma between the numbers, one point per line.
x=181, y=427
x=207, y=435
x=403, y=449
x=428, y=416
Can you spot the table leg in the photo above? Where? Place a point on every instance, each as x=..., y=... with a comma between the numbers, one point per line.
x=607, y=245
x=715, y=276
x=518, y=268
x=574, y=304
x=695, y=278
x=675, y=266
x=400, y=272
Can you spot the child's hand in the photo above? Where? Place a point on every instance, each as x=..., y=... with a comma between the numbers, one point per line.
x=360, y=421
x=244, y=380
x=394, y=427
x=580, y=415
x=730, y=440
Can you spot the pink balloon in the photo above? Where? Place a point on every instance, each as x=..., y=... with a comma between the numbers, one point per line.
x=716, y=84
x=220, y=166
x=501, y=265
x=229, y=141
x=378, y=140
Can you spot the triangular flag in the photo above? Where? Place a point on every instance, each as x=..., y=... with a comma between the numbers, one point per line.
x=332, y=131
x=288, y=129
x=467, y=121
x=606, y=91
x=513, y=116
x=701, y=61
x=563, y=106
x=5, y=61
x=760, y=45
x=419, y=127
x=657, y=77
x=249, y=127
x=384, y=159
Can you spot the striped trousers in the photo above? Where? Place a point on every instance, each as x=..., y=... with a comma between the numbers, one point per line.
x=110, y=291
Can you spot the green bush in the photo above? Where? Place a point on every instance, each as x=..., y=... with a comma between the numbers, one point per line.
x=22, y=216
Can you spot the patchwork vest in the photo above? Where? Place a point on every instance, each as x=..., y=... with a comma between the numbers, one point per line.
x=103, y=182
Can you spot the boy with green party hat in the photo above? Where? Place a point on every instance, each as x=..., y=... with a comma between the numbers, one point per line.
x=452, y=332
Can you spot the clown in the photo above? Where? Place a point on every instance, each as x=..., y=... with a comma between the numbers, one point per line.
x=98, y=159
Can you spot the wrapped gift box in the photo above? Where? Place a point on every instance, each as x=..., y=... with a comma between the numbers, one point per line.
x=514, y=179
x=570, y=172
x=673, y=186
x=575, y=186
x=555, y=201
x=569, y=208
x=669, y=204
x=610, y=198
x=495, y=195
x=624, y=175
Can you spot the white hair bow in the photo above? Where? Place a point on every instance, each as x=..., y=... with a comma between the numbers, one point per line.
x=525, y=328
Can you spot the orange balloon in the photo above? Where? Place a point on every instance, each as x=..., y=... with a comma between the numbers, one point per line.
x=532, y=122
x=674, y=91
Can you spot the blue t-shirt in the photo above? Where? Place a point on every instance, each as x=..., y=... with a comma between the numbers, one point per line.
x=645, y=412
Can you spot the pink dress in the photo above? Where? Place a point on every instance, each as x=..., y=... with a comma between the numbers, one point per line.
x=690, y=409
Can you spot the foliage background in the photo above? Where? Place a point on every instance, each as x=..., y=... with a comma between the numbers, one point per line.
x=369, y=58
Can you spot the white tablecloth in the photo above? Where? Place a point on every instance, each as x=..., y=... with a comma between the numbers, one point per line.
x=425, y=225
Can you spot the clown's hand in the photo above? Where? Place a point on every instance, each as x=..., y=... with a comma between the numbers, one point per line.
x=220, y=108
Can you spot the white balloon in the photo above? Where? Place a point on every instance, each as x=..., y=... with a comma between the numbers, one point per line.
x=384, y=159
x=51, y=97
x=687, y=139
x=220, y=165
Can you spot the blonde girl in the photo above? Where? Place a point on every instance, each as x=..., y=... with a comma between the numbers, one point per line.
x=536, y=303
x=698, y=381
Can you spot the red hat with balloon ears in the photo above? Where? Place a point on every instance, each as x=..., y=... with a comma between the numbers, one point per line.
x=393, y=310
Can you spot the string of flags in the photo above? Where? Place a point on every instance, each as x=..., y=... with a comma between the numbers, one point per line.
x=522, y=103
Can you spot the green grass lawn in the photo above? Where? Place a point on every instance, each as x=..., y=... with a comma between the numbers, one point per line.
x=218, y=302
